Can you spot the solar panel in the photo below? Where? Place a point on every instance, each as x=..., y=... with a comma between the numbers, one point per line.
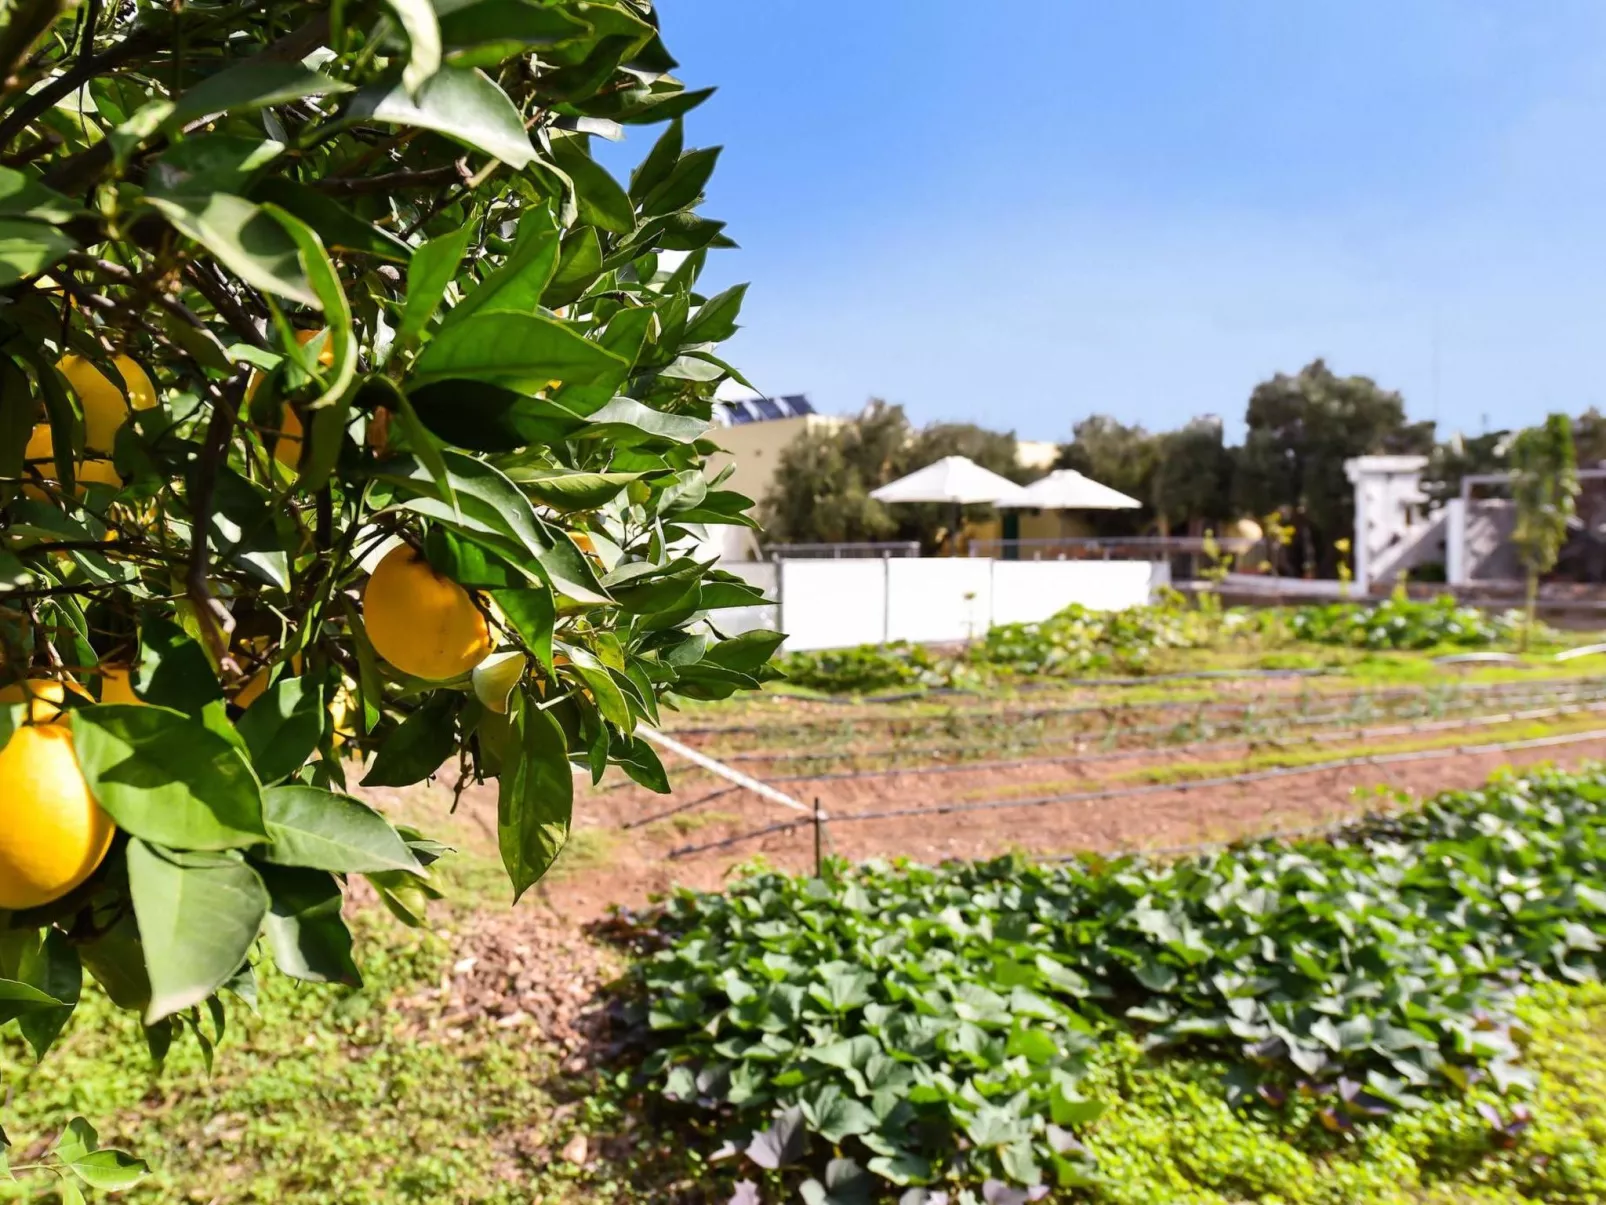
x=798, y=404
x=767, y=408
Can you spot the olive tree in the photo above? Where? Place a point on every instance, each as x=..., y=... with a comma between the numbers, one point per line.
x=356, y=282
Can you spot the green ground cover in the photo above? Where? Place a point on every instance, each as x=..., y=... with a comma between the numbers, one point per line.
x=1175, y=634
x=333, y=1094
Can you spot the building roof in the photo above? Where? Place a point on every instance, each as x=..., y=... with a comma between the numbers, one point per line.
x=761, y=409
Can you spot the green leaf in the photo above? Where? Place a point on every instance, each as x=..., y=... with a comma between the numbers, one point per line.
x=108, y=1169
x=660, y=161
x=640, y=760
x=19, y=999
x=304, y=928
x=573, y=491
x=254, y=84
x=420, y=745
x=173, y=670
x=283, y=727
x=624, y=417
x=325, y=281
x=341, y=230
x=198, y=914
x=461, y=103
x=23, y=197
x=489, y=32
x=117, y=961
x=222, y=162
x=50, y=963
x=535, y=799
x=532, y=613
x=579, y=265
x=520, y=351
x=748, y=652
x=433, y=266
x=245, y=239
x=165, y=778
x=715, y=321
x=28, y=249
x=492, y=510
x=600, y=199
x=320, y=830
x=684, y=184
x=610, y=700
x=518, y=284
x=417, y=17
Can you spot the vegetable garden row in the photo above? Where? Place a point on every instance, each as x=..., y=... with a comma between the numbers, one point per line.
x=894, y=1029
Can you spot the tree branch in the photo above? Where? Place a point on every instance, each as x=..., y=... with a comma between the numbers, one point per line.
x=217, y=624
x=225, y=303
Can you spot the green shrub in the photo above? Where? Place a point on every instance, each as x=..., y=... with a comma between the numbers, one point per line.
x=1404, y=623
x=939, y=1025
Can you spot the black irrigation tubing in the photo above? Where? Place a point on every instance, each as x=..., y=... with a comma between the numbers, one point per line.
x=1167, y=788
x=1515, y=692
x=1269, y=742
x=1246, y=675
x=1299, y=719
x=1363, y=733
x=1015, y=716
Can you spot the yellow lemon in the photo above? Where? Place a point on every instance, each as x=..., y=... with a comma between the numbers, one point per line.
x=424, y=624
x=105, y=407
x=117, y=685
x=42, y=449
x=287, y=449
x=52, y=832
x=44, y=697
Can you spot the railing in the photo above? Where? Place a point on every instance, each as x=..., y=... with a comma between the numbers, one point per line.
x=1125, y=548
x=840, y=552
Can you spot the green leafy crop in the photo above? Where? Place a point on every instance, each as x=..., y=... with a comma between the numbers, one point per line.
x=934, y=1026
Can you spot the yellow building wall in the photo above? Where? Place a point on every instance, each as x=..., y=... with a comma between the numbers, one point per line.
x=755, y=449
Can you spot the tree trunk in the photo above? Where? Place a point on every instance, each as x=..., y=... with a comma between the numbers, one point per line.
x=1533, y=608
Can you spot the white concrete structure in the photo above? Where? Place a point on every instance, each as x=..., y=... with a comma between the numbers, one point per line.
x=824, y=604
x=1388, y=513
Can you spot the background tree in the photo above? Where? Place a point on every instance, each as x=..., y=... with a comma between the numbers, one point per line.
x=823, y=479
x=347, y=404
x=1125, y=458
x=1463, y=456
x=1589, y=439
x=1544, y=485
x=1193, y=478
x=1301, y=430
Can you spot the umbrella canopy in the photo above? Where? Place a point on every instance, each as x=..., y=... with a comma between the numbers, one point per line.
x=952, y=479
x=1066, y=489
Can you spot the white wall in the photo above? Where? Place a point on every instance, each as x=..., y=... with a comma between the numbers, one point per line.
x=1031, y=591
x=934, y=599
x=763, y=574
x=833, y=604
x=836, y=604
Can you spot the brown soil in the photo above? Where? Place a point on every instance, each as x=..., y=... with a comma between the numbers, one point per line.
x=627, y=865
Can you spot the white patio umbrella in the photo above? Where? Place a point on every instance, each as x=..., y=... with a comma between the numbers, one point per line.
x=1066, y=489
x=955, y=479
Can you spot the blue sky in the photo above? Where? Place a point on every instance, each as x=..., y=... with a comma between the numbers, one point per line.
x=1026, y=212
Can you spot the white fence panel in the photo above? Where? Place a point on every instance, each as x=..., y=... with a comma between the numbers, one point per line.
x=1031, y=591
x=828, y=604
x=764, y=575
x=935, y=599
x=833, y=604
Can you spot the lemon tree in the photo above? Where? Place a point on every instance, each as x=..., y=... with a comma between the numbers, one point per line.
x=352, y=425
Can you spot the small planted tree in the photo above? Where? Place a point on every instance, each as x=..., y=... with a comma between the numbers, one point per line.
x=1544, y=487
x=348, y=407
